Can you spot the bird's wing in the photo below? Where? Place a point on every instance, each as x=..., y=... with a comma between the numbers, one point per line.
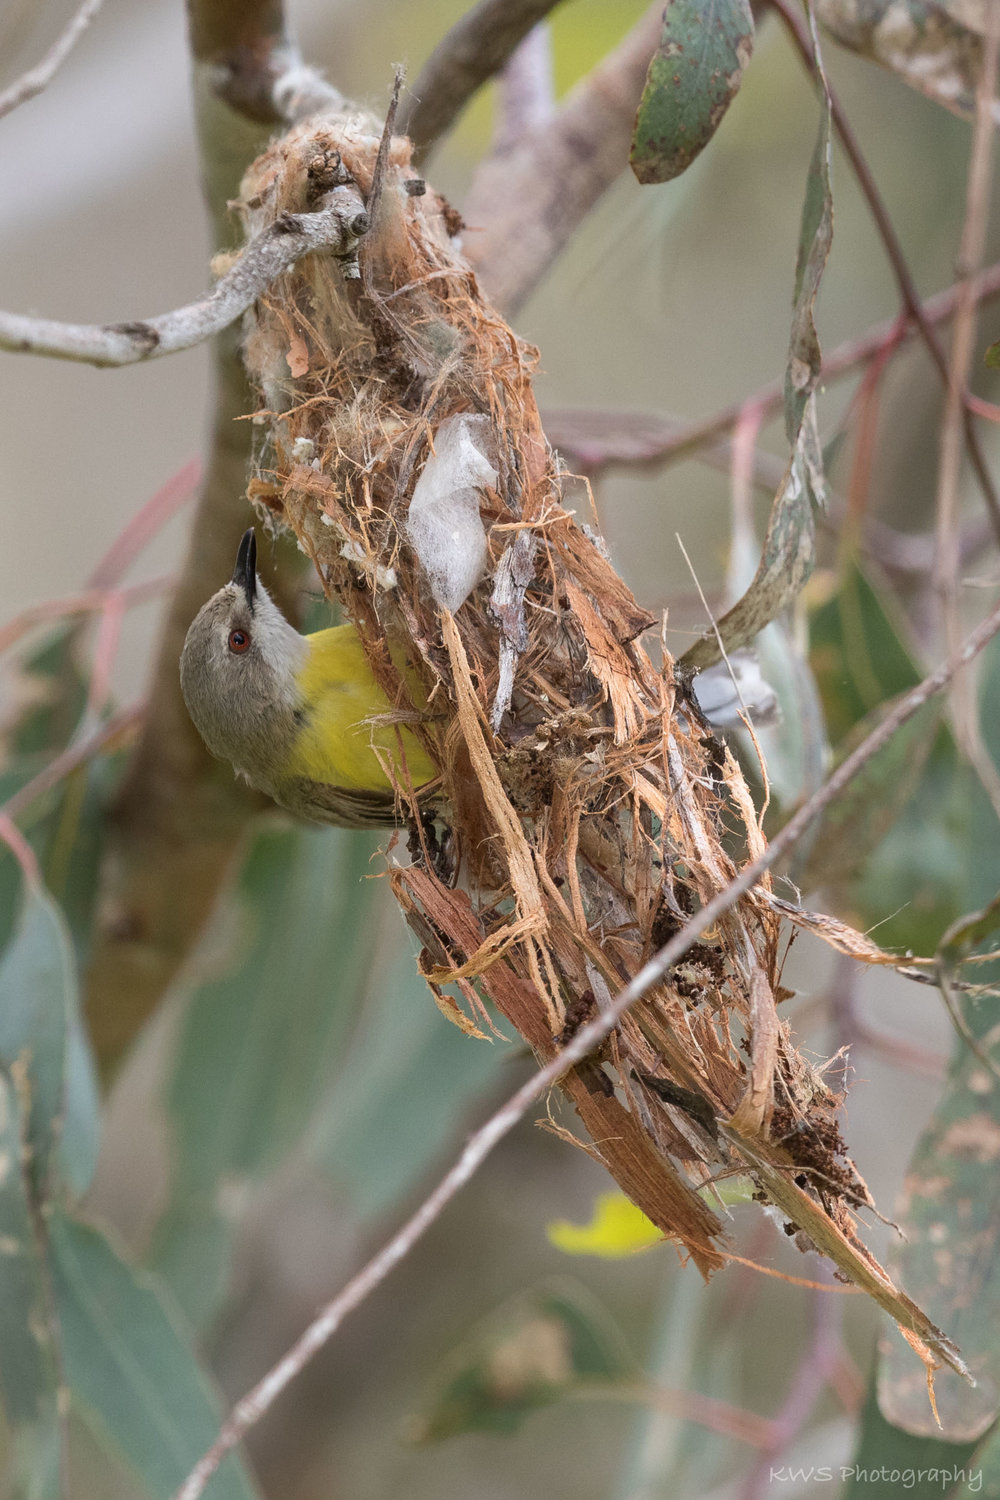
x=343, y=806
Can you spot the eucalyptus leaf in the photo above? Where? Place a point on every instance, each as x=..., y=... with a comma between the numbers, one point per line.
x=941, y=859
x=259, y=1040
x=191, y=1251
x=949, y=1257
x=789, y=547
x=290, y=953
x=401, y=1098
x=692, y=79
x=936, y=46
x=129, y=1367
x=526, y=1355
x=28, y=1365
x=858, y=650
x=934, y=1468
x=981, y=1471
x=41, y=1033
x=66, y=825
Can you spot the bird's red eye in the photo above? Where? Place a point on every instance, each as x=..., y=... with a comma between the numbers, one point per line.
x=239, y=640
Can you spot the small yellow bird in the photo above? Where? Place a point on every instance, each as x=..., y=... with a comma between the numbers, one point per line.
x=293, y=713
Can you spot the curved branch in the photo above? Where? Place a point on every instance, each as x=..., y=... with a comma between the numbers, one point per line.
x=336, y=228
x=37, y=78
x=477, y=47
x=649, y=440
x=251, y=63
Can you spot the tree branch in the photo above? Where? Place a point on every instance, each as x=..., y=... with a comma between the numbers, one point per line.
x=524, y=204
x=894, y=250
x=37, y=78
x=180, y=816
x=477, y=47
x=252, y=1407
x=251, y=63
x=525, y=90
x=336, y=228
x=653, y=440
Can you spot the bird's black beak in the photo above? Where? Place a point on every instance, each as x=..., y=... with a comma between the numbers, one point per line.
x=245, y=572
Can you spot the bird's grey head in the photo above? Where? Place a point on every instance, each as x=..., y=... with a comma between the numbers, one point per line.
x=238, y=671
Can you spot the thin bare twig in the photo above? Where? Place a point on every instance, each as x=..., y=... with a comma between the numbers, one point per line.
x=75, y=755
x=716, y=1416
x=473, y=51
x=91, y=601
x=336, y=228
x=37, y=78
x=161, y=506
x=972, y=244
x=252, y=1406
x=808, y=1381
x=648, y=441
x=894, y=251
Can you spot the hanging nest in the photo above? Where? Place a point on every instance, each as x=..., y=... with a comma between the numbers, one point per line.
x=584, y=810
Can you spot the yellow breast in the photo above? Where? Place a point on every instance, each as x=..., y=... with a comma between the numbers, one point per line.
x=336, y=745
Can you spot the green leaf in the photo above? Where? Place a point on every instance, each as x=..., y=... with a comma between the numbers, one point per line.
x=968, y=932
x=982, y=1471
x=941, y=857
x=526, y=1355
x=949, y=1258
x=28, y=1368
x=914, y=841
x=401, y=1099
x=41, y=1032
x=260, y=1040
x=857, y=651
x=932, y=1465
x=65, y=826
x=789, y=549
x=56, y=691
x=693, y=77
x=70, y=841
x=130, y=1371
x=191, y=1251
x=869, y=809
x=936, y=46
x=991, y=359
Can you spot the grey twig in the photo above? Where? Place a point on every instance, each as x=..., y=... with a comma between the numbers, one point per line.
x=649, y=440
x=336, y=228
x=477, y=47
x=256, y=1402
x=912, y=304
x=35, y=79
